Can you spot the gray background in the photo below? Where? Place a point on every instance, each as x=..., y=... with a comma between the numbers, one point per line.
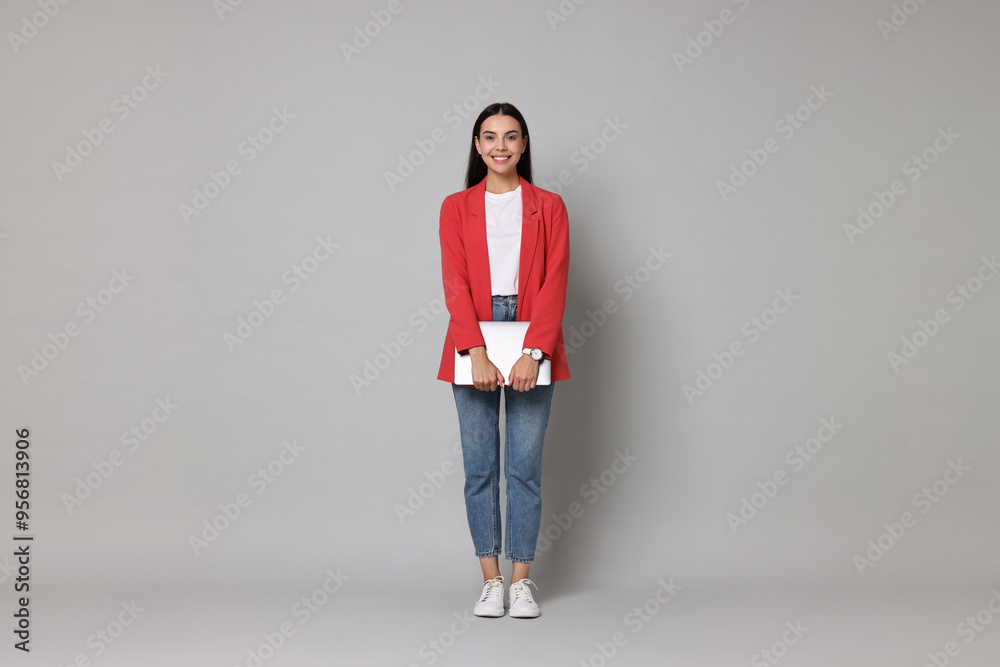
x=366, y=452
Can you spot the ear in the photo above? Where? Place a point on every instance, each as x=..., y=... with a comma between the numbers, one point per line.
x=476, y=139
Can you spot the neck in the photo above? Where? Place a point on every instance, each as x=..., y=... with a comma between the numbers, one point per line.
x=498, y=184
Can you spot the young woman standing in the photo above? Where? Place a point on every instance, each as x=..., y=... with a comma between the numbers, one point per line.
x=504, y=257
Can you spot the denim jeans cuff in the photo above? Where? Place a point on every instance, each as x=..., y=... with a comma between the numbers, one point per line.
x=519, y=560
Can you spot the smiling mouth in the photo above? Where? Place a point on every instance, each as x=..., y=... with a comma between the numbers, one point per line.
x=501, y=158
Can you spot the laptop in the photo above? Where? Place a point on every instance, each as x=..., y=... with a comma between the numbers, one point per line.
x=504, y=342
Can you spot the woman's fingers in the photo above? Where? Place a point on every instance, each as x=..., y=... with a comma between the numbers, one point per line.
x=523, y=375
x=490, y=378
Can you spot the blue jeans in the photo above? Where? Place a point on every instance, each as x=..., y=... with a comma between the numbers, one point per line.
x=527, y=414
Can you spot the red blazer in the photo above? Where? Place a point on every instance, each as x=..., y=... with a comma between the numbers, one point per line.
x=542, y=274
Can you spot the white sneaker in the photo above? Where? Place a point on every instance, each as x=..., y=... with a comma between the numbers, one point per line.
x=491, y=601
x=521, y=603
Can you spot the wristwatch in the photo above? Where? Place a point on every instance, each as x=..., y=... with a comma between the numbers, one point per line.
x=534, y=352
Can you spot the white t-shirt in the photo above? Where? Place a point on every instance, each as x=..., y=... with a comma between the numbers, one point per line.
x=503, y=239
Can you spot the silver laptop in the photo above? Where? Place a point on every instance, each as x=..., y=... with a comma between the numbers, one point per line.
x=504, y=342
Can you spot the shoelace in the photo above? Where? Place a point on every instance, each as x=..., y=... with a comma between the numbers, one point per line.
x=493, y=588
x=519, y=589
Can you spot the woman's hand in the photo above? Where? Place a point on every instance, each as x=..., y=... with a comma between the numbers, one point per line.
x=485, y=376
x=524, y=373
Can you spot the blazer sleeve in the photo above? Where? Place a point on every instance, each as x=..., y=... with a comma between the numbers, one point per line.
x=464, y=325
x=549, y=305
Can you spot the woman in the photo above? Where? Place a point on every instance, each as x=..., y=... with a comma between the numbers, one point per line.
x=504, y=257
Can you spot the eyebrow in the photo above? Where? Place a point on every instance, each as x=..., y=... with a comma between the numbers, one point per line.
x=507, y=132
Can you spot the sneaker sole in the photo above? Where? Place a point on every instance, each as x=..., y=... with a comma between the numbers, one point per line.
x=490, y=614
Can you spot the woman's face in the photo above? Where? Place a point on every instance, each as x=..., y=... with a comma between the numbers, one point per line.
x=501, y=143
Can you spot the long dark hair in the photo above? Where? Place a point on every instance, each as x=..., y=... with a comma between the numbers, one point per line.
x=477, y=168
